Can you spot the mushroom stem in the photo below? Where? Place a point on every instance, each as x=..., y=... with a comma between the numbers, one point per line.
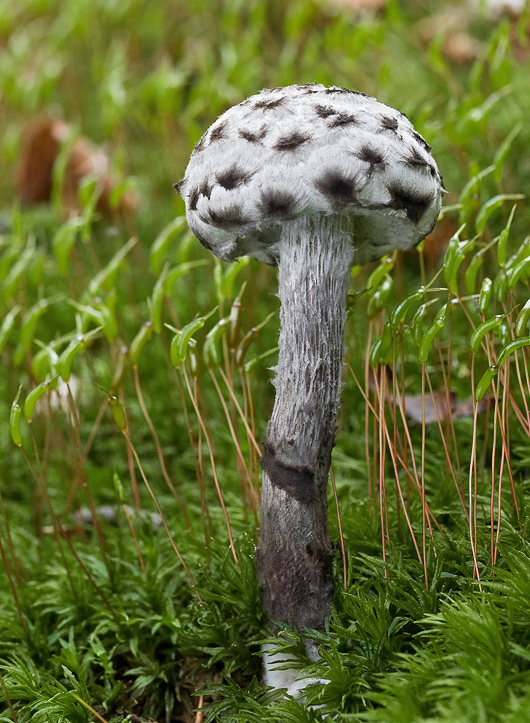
x=294, y=554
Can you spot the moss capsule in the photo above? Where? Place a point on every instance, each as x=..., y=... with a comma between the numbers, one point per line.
x=173, y=351
x=66, y=359
x=234, y=331
x=34, y=396
x=417, y=323
x=429, y=337
x=7, y=325
x=44, y=363
x=485, y=381
x=244, y=345
x=194, y=360
x=75, y=347
x=514, y=274
x=484, y=296
x=511, y=347
x=481, y=331
x=121, y=363
x=379, y=353
x=376, y=277
x=502, y=244
x=247, y=340
x=139, y=342
x=106, y=277
x=157, y=302
x=503, y=335
x=500, y=285
x=162, y=242
x=230, y=275
x=378, y=299
x=470, y=276
x=177, y=272
x=14, y=423
x=118, y=412
x=454, y=257
x=108, y=321
x=452, y=283
x=402, y=308
x=118, y=486
x=522, y=319
x=30, y=321
x=492, y=205
x=210, y=351
x=63, y=243
x=179, y=346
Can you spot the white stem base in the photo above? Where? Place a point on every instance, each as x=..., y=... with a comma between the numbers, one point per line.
x=287, y=678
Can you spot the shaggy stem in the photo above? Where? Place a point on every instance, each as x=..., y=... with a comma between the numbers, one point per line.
x=294, y=554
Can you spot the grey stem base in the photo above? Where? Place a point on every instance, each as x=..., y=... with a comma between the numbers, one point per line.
x=294, y=553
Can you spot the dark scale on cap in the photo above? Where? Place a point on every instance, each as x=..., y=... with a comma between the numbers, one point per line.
x=423, y=143
x=336, y=187
x=228, y=218
x=201, y=143
x=344, y=91
x=218, y=132
x=193, y=198
x=179, y=186
x=308, y=88
x=269, y=104
x=291, y=141
x=277, y=203
x=232, y=177
x=253, y=137
x=414, y=205
x=205, y=189
x=324, y=111
x=413, y=158
x=389, y=123
x=372, y=156
x=335, y=91
x=342, y=119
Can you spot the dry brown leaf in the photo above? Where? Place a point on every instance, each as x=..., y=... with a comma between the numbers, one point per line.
x=460, y=48
x=442, y=22
x=41, y=143
x=439, y=408
x=437, y=405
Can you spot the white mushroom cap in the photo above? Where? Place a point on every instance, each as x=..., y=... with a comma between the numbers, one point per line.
x=308, y=149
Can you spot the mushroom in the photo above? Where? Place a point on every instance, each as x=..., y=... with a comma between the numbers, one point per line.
x=311, y=179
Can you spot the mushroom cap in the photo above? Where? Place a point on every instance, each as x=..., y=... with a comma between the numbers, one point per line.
x=309, y=149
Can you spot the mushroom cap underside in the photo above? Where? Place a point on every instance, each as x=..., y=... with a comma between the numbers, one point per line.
x=308, y=149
